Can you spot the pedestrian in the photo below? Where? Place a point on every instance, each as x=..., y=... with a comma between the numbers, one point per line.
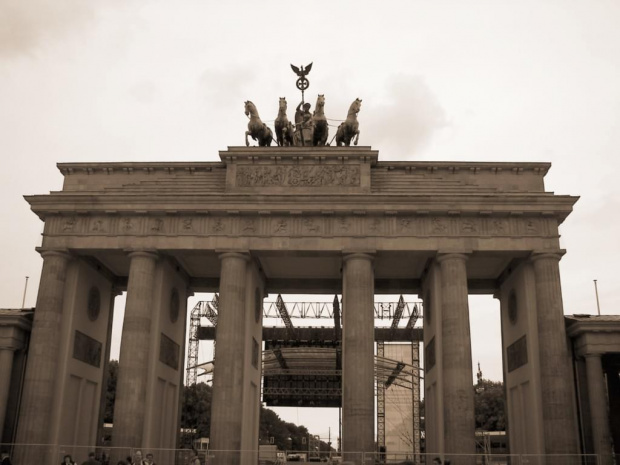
x=5, y=459
x=91, y=460
x=195, y=460
x=68, y=460
x=137, y=458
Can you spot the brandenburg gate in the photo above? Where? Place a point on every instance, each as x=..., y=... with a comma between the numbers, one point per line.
x=293, y=220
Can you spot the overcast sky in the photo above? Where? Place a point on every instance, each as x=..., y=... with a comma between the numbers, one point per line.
x=457, y=80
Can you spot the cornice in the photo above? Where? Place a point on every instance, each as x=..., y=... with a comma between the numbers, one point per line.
x=474, y=167
x=75, y=203
x=576, y=328
x=68, y=169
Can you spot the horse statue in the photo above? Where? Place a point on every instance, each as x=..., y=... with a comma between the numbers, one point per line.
x=284, y=128
x=321, y=130
x=256, y=128
x=349, y=128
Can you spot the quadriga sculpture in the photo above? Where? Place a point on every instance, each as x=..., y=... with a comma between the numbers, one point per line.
x=284, y=128
x=256, y=128
x=350, y=127
x=321, y=129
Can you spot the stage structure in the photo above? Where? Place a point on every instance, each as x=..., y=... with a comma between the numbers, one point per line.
x=324, y=220
x=302, y=365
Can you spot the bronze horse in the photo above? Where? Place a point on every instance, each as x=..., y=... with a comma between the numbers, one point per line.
x=350, y=127
x=284, y=128
x=256, y=128
x=321, y=129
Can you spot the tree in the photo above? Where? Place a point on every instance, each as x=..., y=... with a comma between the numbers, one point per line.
x=196, y=409
x=489, y=408
x=196, y=415
x=110, y=395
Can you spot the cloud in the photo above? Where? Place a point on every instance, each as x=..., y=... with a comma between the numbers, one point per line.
x=406, y=120
x=26, y=26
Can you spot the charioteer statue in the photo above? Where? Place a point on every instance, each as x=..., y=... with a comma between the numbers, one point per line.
x=304, y=125
x=310, y=129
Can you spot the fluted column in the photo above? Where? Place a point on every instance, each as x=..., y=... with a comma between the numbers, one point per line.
x=130, y=406
x=358, y=402
x=559, y=421
x=458, y=393
x=40, y=378
x=227, y=406
x=597, y=397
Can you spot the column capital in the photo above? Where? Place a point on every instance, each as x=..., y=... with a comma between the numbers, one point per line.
x=243, y=254
x=149, y=253
x=64, y=253
x=452, y=254
x=547, y=254
x=358, y=254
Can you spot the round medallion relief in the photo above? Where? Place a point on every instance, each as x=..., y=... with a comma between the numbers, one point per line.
x=174, y=305
x=94, y=303
x=427, y=307
x=513, y=308
x=257, y=305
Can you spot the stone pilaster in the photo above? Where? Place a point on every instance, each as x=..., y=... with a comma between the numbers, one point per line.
x=613, y=391
x=130, y=406
x=559, y=420
x=597, y=396
x=6, y=366
x=458, y=393
x=227, y=413
x=358, y=402
x=41, y=371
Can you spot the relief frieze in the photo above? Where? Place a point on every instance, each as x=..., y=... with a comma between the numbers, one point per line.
x=298, y=176
x=401, y=225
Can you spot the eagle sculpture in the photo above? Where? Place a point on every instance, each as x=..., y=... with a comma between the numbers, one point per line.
x=303, y=71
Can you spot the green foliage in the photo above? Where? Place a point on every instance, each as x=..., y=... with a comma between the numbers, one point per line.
x=110, y=395
x=489, y=405
x=196, y=409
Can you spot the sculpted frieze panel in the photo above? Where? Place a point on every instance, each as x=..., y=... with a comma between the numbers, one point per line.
x=249, y=227
x=298, y=176
x=218, y=225
x=392, y=225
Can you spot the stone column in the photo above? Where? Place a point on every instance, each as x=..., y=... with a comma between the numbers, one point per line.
x=6, y=366
x=559, y=421
x=597, y=396
x=458, y=392
x=40, y=378
x=130, y=406
x=227, y=413
x=358, y=396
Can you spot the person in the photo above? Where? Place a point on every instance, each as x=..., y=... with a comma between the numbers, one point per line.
x=137, y=458
x=436, y=461
x=304, y=125
x=149, y=459
x=67, y=459
x=5, y=459
x=301, y=115
x=195, y=460
x=91, y=460
x=129, y=460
